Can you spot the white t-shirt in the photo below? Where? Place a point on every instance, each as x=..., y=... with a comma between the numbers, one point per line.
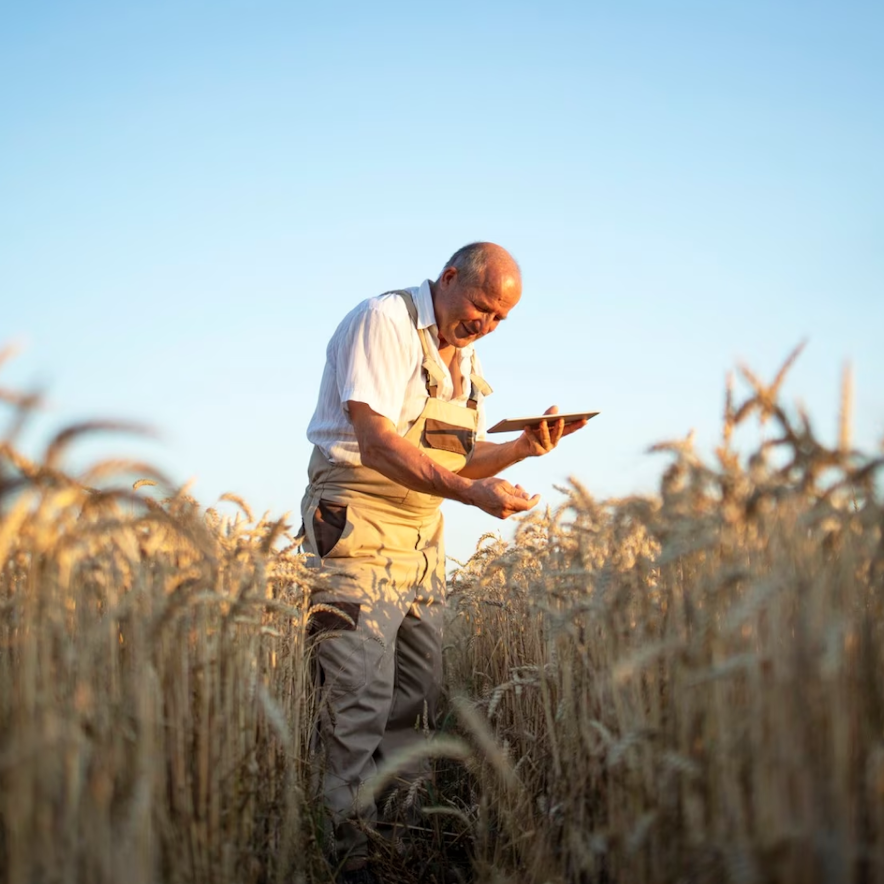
x=375, y=357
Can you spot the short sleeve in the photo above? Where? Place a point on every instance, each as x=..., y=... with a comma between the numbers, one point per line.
x=375, y=361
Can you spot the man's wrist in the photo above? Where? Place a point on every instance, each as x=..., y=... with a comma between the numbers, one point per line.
x=462, y=488
x=522, y=449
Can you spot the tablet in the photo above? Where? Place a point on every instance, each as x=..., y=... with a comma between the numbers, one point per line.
x=519, y=423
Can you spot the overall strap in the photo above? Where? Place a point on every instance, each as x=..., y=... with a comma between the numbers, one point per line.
x=478, y=384
x=432, y=370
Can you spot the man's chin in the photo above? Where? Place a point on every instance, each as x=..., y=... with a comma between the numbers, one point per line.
x=464, y=340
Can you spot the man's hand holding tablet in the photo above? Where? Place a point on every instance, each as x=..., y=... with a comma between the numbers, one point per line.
x=541, y=433
x=511, y=424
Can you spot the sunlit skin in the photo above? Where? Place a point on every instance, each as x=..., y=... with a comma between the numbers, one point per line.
x=464, y=313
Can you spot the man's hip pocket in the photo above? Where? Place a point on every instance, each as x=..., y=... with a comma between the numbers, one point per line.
x=329, y=525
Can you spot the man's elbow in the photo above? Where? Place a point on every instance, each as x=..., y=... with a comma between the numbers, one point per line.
x=368, y=454
x=372, y=434
x=371, y=450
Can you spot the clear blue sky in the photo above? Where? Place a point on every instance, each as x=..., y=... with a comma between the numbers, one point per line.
x=193, y=194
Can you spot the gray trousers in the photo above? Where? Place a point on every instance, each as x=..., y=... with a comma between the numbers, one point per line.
x=377, y=625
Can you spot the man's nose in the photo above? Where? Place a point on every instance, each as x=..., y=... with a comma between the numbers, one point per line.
x=484, y=325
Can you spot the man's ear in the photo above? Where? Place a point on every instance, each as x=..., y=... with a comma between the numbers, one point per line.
x=448, y=277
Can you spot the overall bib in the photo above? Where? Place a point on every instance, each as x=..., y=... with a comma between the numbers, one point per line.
x=381, y=547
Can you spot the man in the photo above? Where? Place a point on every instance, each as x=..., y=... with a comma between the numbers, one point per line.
x=398, y=427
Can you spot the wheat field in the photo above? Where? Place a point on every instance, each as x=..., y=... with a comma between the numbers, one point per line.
x=683, y=687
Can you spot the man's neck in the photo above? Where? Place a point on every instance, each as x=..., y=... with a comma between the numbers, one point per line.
x=433, y=294
x=442, y=341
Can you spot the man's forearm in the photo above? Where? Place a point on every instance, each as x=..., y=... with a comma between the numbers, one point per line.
x=490, y=458
x=384, y=450
x=406, y=464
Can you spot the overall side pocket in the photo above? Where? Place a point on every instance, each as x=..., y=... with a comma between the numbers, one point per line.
x=329, y=522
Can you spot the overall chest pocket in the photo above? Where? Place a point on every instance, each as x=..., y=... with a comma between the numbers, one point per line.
x=448, y=437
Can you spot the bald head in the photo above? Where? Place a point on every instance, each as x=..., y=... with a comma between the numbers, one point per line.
x=485, y=265
x=475, y=291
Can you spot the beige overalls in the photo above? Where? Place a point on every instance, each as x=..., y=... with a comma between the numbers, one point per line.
x=382, y=548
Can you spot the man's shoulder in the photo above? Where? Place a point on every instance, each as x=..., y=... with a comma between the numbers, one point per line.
x=379, y=316
x=389, y=305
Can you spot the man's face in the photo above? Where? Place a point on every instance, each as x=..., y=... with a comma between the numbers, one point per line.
x=466, y=313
